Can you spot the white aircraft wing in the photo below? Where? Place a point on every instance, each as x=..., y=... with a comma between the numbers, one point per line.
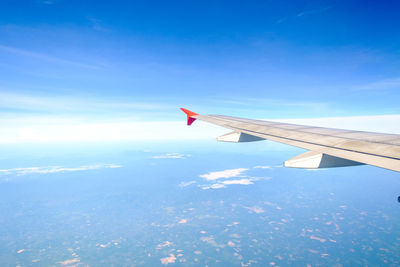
x=327, y=147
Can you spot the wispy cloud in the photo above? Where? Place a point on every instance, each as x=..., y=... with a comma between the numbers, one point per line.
x=171, y=156
x=213, y=186
x=309, y=12
x=303, y=14
x=48, y=2
x=55, y=169
x=97, y=24
x=273, y=102
x=185, y=184
x=60, y=104
x=379, y=85
x=45, y=57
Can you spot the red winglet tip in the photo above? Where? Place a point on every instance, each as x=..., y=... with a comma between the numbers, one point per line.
x=189, y=114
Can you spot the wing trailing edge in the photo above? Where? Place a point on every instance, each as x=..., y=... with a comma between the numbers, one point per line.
x=327, y=147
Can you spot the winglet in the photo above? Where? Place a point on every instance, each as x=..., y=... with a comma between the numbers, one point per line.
x=189, y=115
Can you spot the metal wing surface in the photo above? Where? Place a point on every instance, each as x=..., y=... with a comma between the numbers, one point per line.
x=327, y=147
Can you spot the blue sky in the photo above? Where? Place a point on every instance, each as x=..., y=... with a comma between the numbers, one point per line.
x=101, y=61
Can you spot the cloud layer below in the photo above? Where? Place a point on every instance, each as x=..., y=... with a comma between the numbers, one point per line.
x=50, y=128
x=33, y=129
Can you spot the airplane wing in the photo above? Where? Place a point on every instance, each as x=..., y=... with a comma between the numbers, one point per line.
x=327, y=147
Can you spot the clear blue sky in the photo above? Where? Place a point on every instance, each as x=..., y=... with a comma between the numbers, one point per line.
x=265, y=59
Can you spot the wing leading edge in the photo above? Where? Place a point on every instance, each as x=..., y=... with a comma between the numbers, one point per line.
x=327, y=147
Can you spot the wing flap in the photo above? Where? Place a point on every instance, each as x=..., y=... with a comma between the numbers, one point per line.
x=316, y=160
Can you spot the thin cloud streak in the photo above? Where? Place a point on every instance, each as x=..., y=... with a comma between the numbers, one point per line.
x=263, y=167
x=185, y=184
x=171, y=156
x=309, y=12
x=379, y=85
x=304, y=14
x=48, y=2
x=96, y=24
x=39, y=56
x=271, y=102
x=25, y=102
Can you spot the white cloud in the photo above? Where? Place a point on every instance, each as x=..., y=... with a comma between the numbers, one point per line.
x=213, y=186
x=224, y=174
x=55, y=169
x=245, y=181
x=262, y=167
x=222, y=179
x=171, y=156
